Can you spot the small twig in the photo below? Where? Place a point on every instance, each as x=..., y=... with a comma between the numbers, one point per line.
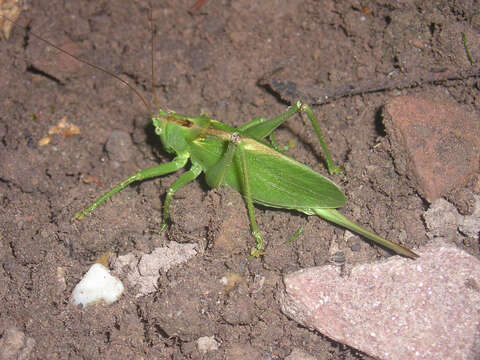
x=290, y=91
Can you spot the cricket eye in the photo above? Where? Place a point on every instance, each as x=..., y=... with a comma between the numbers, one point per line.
x=158, y=130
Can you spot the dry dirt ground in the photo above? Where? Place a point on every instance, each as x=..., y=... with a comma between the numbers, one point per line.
x=212, y=61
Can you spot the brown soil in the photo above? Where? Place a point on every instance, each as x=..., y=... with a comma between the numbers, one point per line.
x=210, y=61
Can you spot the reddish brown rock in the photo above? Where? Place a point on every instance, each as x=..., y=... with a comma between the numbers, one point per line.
x=56, y=63
x=435, y=143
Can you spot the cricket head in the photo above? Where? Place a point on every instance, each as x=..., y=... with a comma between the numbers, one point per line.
x=178, y=131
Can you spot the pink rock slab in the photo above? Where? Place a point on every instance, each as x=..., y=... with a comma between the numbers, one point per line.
x=427, y=308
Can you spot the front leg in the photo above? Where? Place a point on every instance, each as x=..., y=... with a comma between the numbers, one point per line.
x=178, y=162
x=182, y=180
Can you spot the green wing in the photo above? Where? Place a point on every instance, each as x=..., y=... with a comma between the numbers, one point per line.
x=276, y=180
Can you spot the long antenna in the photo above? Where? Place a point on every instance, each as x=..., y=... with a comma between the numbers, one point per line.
x=97, y=67
x=152, y=31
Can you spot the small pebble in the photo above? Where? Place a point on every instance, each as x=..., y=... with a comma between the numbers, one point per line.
x=97, y=285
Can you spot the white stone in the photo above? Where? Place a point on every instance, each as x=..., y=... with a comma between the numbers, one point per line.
x=97, y=285
x=206, y=344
